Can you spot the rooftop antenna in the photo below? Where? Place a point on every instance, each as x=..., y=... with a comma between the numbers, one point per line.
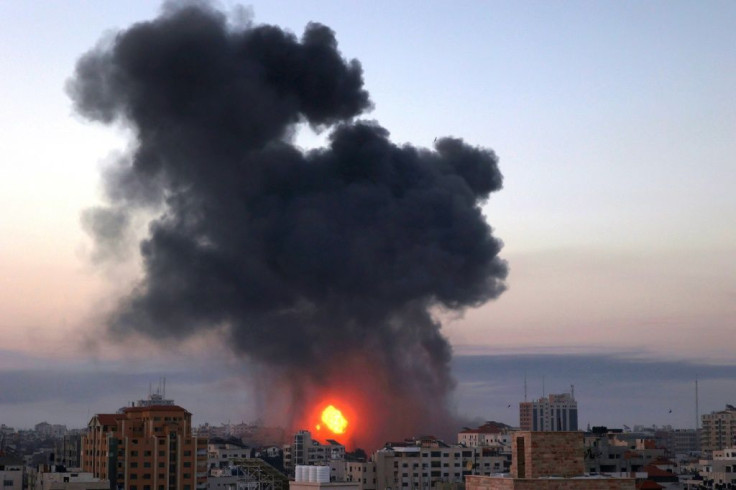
x=572, y=391
x=524, y=386
x=163, y=395
x=544, y=393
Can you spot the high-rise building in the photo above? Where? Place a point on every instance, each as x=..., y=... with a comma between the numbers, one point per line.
x=549, y=414
x=719, y=430
x=146, y=448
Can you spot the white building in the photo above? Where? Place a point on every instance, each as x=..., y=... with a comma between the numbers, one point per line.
x=11, y=474
x=69, y=480
x=490, y=434
x=424, y=464
x=549, y=414
x=722, y=468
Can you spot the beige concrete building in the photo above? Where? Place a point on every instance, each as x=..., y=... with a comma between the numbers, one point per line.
x=70, y=480
x=547, y=461
x=718, y=430
x=11, y=473
x=493, y=434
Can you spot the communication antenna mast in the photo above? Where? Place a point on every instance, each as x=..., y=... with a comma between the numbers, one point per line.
x=525, y=386
x=697, y=409
x=544, y=393
x=572, y=391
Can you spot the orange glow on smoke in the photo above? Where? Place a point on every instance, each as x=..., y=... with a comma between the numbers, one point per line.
x=334, y=420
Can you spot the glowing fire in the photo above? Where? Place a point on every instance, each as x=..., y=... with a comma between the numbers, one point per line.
x=334, y=420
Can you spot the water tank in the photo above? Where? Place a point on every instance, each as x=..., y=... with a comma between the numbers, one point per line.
x=323, y=474
x=299, y=474
x=312, y=473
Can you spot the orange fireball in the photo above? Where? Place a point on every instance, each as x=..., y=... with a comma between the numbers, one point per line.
x=334, y=420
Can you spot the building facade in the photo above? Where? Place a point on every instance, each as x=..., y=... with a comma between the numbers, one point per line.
x=718, y=430
x=145, y=448
x=549, y=414
x=490, y=434
x=547, y=461
x=424, y=464
x=307, y=451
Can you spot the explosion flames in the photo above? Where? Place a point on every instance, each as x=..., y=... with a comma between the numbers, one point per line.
x=333, y=419
x=323, y=266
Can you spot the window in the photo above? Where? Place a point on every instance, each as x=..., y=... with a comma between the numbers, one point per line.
x=146, y=464
x=134, y=464
x=134, y=453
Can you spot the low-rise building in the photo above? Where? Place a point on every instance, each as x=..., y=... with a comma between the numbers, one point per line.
x=547, y=461
x=611, y=452
x=426, y=463
x=494, y=434
x=11, y=473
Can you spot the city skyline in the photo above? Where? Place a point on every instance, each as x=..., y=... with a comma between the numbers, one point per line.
x=613, y=122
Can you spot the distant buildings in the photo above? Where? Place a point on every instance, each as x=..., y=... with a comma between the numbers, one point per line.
x=718, y=430
x=616, y=452
x=549, y=414
x=146, y=448
x=547, y=461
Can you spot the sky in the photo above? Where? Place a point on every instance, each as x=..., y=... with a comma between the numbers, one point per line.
x=614, y=122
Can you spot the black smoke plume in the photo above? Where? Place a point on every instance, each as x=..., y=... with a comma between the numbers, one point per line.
x=303, y=258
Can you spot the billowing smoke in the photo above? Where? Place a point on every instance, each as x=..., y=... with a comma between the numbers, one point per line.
x=323, y=266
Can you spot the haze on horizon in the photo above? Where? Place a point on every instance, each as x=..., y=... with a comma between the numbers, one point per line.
x=614, y=125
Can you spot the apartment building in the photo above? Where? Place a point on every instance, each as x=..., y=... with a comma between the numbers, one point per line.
x=11, y=473
x=547, y=461
x=307, y=451
x=145, y=448
x=492, y=434
x=69, y=451
x=614, y=452
x=425, y=463
x=718, y=430
x=549, y=414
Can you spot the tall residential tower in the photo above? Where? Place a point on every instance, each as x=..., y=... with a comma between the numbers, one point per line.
x=551, y=414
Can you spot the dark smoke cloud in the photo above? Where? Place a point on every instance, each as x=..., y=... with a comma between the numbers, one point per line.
x=296, y=255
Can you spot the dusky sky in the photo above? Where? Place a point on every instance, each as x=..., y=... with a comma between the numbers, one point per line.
x=614, y=123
